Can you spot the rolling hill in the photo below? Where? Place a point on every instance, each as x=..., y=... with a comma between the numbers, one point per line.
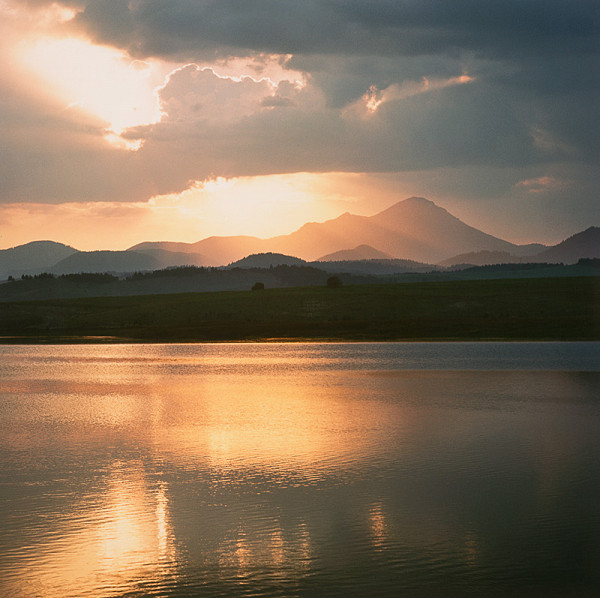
x=105, y=261
x=362, y=252
x=267, y=260
x=32, y=257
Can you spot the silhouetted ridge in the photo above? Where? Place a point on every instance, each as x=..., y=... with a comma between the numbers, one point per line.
x=33, y=257
x=581, y=245
x=105, y=261
x=415, y=229
x=267, y=260
x=361, y=252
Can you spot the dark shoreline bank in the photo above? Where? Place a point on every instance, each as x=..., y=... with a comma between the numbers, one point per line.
x=92, y=340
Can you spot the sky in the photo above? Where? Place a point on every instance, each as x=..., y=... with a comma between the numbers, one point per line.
x=124, y=121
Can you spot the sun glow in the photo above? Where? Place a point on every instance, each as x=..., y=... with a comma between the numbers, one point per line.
x=98, y=80
x=259, y=206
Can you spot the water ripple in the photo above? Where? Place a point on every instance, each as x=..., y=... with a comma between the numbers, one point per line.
x=298, y=470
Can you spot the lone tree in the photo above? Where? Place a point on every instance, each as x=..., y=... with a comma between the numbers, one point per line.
x=258, y=286
x=334, y=282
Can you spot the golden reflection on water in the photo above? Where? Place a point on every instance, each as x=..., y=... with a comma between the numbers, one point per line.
x=268, y=548
x=471, y=548
x=277, y=424
x=378, y=525
x=292, y=429
x=205, y=462
x=119, y=540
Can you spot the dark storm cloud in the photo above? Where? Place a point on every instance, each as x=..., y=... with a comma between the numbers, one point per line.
x=493, y=29
x=540, y=58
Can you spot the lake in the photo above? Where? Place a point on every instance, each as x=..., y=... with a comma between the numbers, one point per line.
x=315, y=469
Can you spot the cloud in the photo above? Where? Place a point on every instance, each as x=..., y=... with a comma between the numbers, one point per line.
x=188, y=28
x=540, y=184
x=374, y=98
x=200, y=95
x=213, y=126
x=463, y=85
x=51, y=153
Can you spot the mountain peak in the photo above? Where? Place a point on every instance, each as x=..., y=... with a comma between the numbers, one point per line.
x=32, y=257
x=412, y=207
x=415, y=202
x=415, y=199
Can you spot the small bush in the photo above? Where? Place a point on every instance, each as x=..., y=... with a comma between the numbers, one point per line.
x=258, y=286
x=333, y=282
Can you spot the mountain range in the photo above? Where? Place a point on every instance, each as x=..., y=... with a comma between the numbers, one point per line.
x=414, y=233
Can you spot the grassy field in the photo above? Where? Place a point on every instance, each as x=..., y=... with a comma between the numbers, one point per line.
x=542, y=309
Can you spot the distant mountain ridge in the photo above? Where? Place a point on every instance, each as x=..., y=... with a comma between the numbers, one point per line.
x=413, y=230
x=168, y=259
x=583, y=244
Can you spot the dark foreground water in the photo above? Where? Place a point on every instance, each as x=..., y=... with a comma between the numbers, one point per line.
x=300, y=470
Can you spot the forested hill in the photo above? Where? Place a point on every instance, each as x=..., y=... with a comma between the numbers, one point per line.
x=187, y=279
x=193, y=279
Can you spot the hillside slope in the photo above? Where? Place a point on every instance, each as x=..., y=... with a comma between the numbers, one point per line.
x=585, y=244
x=32, y=258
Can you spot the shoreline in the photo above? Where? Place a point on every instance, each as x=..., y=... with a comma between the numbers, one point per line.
x=100, y=340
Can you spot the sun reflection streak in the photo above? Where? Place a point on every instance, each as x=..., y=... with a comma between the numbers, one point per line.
x=267, y=546
x=378, y=526
x=166, y=548
x=123, y=537
x=472, y=548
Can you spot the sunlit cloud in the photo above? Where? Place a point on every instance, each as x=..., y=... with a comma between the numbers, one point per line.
x=540, y=184
x=46, y=17
x=372, y=100
x=550, y=144
x=259, y=67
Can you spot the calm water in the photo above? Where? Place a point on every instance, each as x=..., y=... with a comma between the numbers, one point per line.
x=300, y=470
